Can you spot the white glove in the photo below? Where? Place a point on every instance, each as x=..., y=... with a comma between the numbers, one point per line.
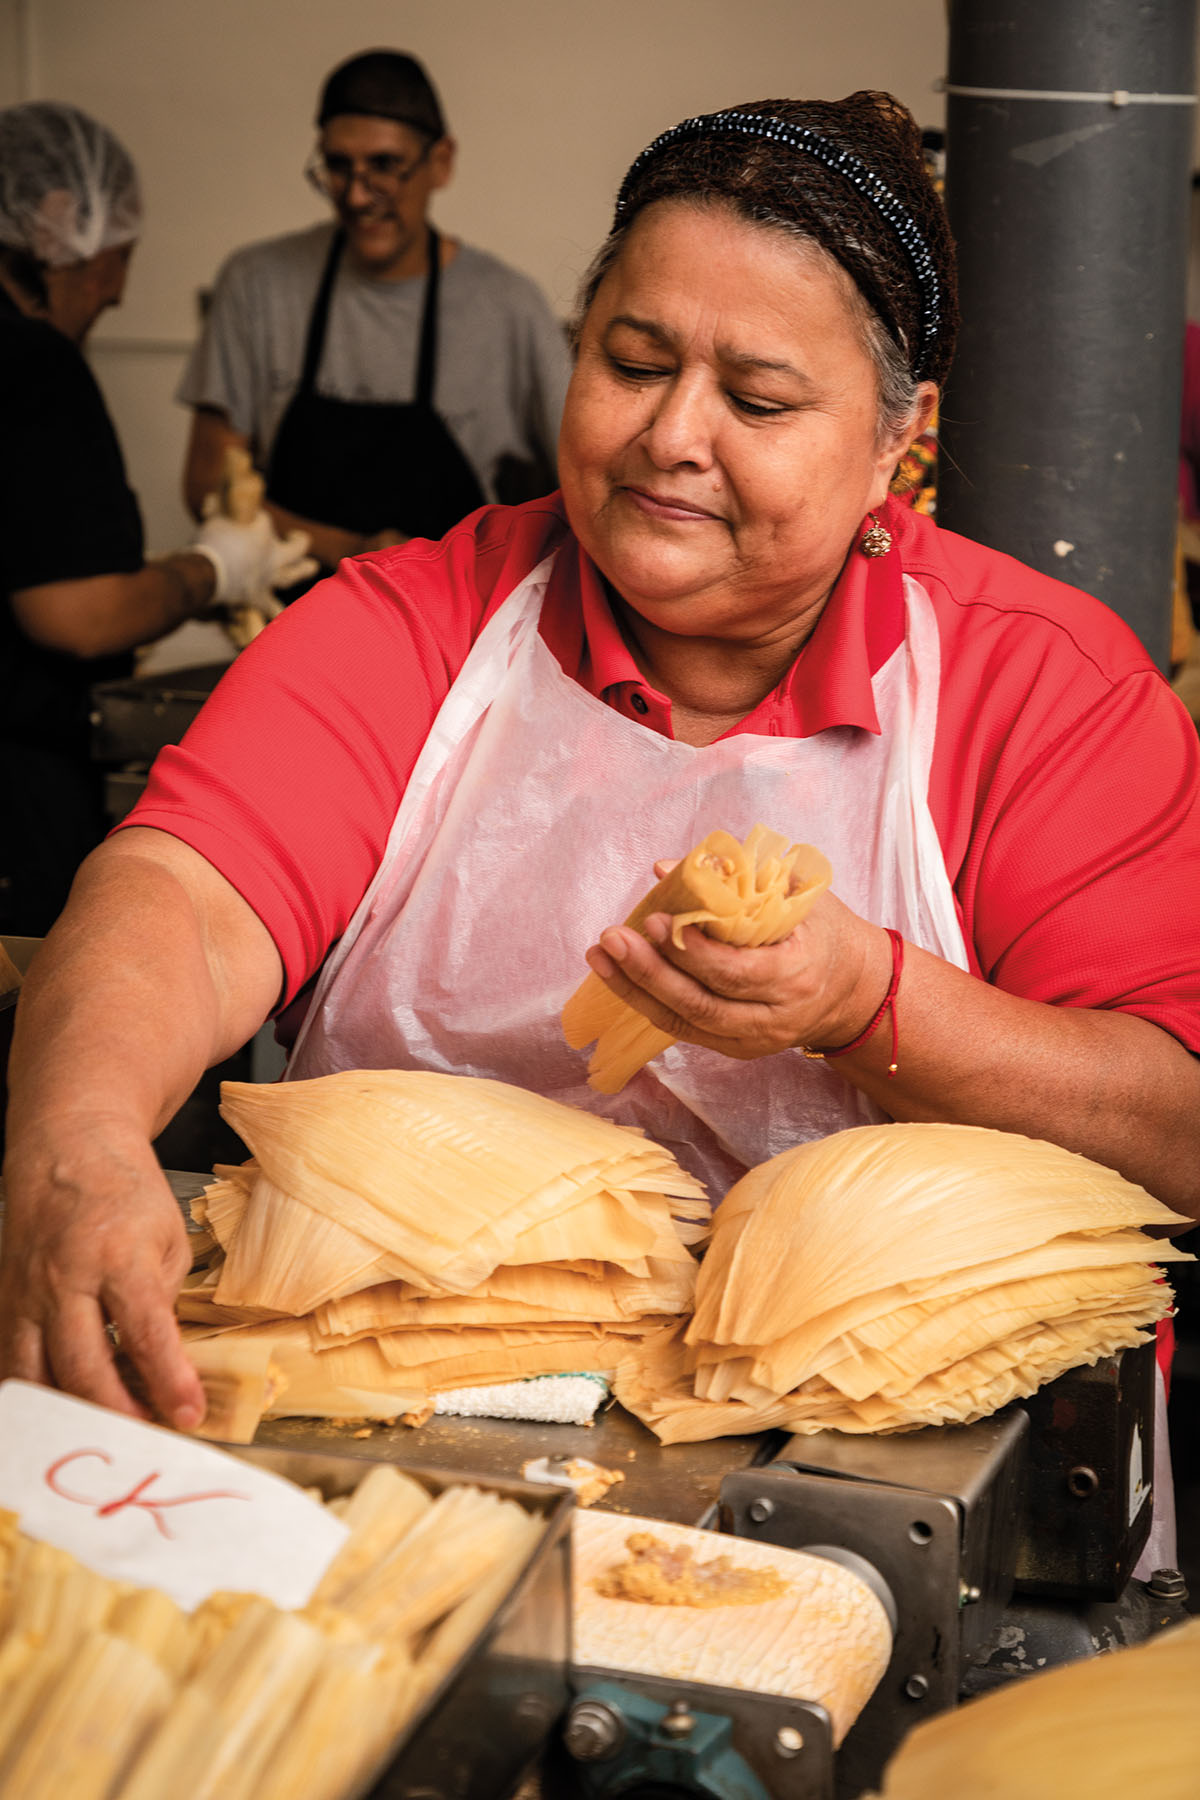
x=249, y=560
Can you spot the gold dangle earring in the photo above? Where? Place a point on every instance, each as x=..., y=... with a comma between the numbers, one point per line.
x=877, y=541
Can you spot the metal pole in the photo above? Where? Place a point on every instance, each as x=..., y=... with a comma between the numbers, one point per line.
x=1069, y=132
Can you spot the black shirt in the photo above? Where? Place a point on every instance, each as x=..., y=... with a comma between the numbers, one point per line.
x=66, y=513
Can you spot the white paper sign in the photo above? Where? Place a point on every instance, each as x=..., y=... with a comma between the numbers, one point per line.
x=140, y=1504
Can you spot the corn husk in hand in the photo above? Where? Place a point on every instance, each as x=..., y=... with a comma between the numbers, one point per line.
x=749, y=894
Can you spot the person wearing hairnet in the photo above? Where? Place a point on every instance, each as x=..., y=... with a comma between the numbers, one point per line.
x=77, y=594
x=387, y=380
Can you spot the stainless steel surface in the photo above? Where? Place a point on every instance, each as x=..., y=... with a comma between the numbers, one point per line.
x=954, y=1459
x=185, y=1185
x=914, y=1542
x=133, y=719
x=679, y=1482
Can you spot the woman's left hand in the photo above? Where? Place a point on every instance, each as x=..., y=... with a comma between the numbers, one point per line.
x=820, y=986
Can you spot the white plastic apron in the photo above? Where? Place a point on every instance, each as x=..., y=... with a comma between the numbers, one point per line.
x=533, y=819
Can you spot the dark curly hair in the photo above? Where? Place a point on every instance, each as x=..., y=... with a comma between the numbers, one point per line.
x=847, y=175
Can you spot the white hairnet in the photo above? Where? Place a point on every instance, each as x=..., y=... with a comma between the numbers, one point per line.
x=68, y=188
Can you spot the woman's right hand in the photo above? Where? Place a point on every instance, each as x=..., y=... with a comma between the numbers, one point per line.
x=93, y=1236
x=819, y=986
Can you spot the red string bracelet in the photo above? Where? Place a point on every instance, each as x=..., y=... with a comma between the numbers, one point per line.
x=887, y=1004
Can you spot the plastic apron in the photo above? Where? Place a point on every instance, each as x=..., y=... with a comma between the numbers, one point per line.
x=533, y=819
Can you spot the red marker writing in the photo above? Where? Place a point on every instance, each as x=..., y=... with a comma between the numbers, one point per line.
x=137, y=1497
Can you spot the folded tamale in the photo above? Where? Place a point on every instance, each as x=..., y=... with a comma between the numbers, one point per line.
x=749, y=893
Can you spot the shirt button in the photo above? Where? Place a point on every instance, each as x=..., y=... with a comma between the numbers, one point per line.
x=639, y=703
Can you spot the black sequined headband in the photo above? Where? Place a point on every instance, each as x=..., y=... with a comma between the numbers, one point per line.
x=839, y=162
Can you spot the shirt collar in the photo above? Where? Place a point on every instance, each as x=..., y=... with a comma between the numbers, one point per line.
x=829, y=683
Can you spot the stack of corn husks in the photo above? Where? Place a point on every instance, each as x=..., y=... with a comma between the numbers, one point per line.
x=400, y=1233
x=894, y=1276
x=112, y=1692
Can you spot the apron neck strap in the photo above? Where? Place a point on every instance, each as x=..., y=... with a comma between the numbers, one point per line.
x=427, y=354
x=318, y=320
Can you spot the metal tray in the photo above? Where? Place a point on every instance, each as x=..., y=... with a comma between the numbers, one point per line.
x=492, y=1715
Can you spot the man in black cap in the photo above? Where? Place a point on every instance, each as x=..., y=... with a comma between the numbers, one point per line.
x=387, y=380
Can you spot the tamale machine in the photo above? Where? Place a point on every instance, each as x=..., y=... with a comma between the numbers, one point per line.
x=997, y=1549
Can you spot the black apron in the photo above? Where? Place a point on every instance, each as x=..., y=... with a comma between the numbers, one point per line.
x=366, y=465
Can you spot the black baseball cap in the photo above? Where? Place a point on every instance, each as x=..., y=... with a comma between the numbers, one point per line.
x=384, y=84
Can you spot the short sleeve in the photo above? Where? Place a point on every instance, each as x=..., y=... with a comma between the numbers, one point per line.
x=68, y=511
x=1087, y=877
x=290, y=778
x=223, y=369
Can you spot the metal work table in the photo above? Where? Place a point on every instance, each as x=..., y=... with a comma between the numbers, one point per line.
x=678, y=1482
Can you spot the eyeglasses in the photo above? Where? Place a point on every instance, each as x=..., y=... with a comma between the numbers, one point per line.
x=382, y=174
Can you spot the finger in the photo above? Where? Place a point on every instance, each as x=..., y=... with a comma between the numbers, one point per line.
x=668, y=997
x=23, y=1354
x=752, y=973
x=80, y=1356
x=663, y=869
x=145, y=1318
x=716, y=971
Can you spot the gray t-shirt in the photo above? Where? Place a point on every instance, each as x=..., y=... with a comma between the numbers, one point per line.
x=502, y=364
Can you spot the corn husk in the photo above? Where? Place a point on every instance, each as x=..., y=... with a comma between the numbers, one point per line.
x=107, y=1698
x=920, y=1274
x=544, y=1294
x=240, y=1383
x=152, y=1622
x=348, y=1380
x=1113, y=1725
x=438, y=1562
x=436, y=1179
x=220, y=1206
x=383, y=1509
x=343, y=1721
x=112, y=1693
x=748, y=894
x=396, y=1234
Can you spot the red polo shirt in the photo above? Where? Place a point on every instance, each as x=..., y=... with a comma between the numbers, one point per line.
x=1064, y=787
